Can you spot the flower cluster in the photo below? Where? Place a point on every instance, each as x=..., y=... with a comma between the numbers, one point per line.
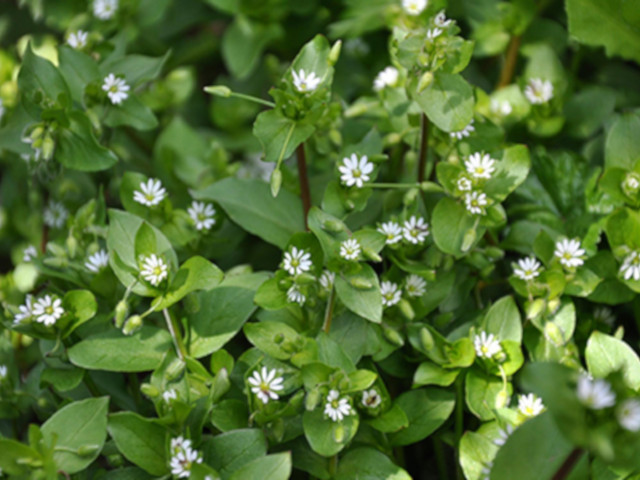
x=597, y=394
x=183, y=456
x=414, y=231
x=46, y=310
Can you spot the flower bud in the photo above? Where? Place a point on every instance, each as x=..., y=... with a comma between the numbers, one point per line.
x=122, y=310
x=411, y=196
x=425, y=81
x=334, y=53
x=276, y=182
x=149, y=390
x=502, y=399
x=335, y=136
x=132, y=325
x=371, y=255
x=553, y=334
x=360, y=283
x=48, y=146
x=430, y=187
x=175, y=369
x=406, y=309
x=72, y=246
x=535, y=308
x=334, y=226
x=88, y=450
x=338, y=433
x=312, y=400
x=426, y=339
x=218, y=90
x=393, y=336
x=468, y=239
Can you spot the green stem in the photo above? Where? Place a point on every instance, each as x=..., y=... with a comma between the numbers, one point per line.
x=424, y=147
x=459, y=421
x=328, y=313
x=134, y=383
x=305, y=191
x=251, y=98
x=333, y=466
x=393, y=185
x=509, y=67
x=174, y=330
x=567, y=466
x=441, y=464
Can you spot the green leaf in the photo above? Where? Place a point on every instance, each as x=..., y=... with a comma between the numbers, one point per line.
x=622, y=147
x=197, y=273
x=325, y=436
x=482, y=393
x=272, y=338
x=15, y=457
x=365, y=302
x=37, y=74
x=605, y=354
x=452, y=226
x=510, y=172
x=429, y=373
x=366, y=463
x=78, y=69
x=136, y=68
x=79, y=424
x=131, y=113
x=249, y=203
x=448, y=101
x=609, y=24
x=114, y=351
x=244, y=42
x=503, y=320
x=81, y=304
x=231, y=451
x=145, y=243
x=271, y=467
x=476, y=452
x=78, y=148
x=140, y=440
x=280, y=135
x=623, y=229
x=427, y=409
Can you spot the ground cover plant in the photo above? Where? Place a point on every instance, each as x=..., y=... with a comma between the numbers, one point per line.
x=358, y=239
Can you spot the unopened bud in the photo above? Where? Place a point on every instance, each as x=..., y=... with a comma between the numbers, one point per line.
x=393, y=336
x=468, y=239
x=430, y=187
x=122, y=310
x=87, y=450
x=428, y=343
x=334, y=53
x=406, y=309
x=312, y=400
x=553, y=333
x=276, y=182
x=338, y=433
x=72, y=246
x=334, y=226
x=149, y=390
x=535, y=308
x=132, y=325
x=218, y=90
x=335, y=136
x=425, y=81
x=502, y=399
x=371, y=255
x=175, y=369
x=411, y=196
x=360, y=283
x=48, y=146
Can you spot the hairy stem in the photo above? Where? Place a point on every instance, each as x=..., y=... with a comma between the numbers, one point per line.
x=328, y=313
x=174, y=330
x=509, y=67
x=305, y=193
x=424, y=147
x=566, y=468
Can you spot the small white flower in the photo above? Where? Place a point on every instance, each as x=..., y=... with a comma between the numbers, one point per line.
x=390, y=293
x=392, y=231
x=528, y=268
x=3, y=371
x=355, y=171
x=631, y=183
x=337, y=408
x=486, y=346
x=475, y=201
x=631, y=266
x=414, y=7
x=297, y=261
x=464, y=184
x=538, y=91
x=441, y=20
x=480, y=166
x=169, y=395
x=295, y=296
x=97, y=261
x=415, y=230
x=29, y=254
x=202, y=215
x=502, y=108
x=116, y=89
x=595, y=394
x=182, y=462
x=78, y=40
x=569, y=252
x=465, y=132
x=152, y=193
x=386, y=78
x=604, y=315
x=371, y=398
x=154, y=270
x=530, y=405
x=105, y=9
x=350, y=249
x=415, y=286
x=305, y=82
x=48, y=310
x=628, y=413
x=178, y=444
x=37, y=152
x=503, y=435
x=55, y=215
x=327, y=279
x=265, y=384
x=434, y=33
x=25, y=311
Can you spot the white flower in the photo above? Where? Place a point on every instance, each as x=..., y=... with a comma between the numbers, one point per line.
x=486, y=345
x=154, y=270
x=392, y=231
x=415, y=286
x=169, y=395
x=97, y=261
x=48, y=310
x=390, y=293
x=371, y=398
x=628, y=413
x=337, y=408
x=178, y=444
x=631, y=183
x=631, y=266
x=414, y=7
x=480, y=166
x=528, y=268
x=434, y=33
x=538, y=91
x=355, y=171
x=604, y=315
x=105, y=9
x=530, y=405
x=265, y=384
x=350, y=249
x=182, y=462
x=503, y=435
x=25, y=311
x=474, y=202
x=305, y=82
x=78, y=39
x=152, y=193
x=595, y=394
x=326, y=279
x=295, y=296
x=441, y=20
x=297, y=261
x=116, y=89
x=502, y=108
x=3, y=371
x=202, y=215
x=569, y=252
x=386, y=78
x=55, y=215
x=465, y=132
x=464, y=184
x=29, y=254
x=415, y=230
